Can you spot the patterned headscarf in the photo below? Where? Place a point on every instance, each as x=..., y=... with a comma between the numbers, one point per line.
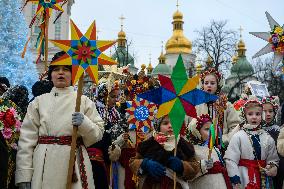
x=115, y=124
x=193, y=133
x=251, y=100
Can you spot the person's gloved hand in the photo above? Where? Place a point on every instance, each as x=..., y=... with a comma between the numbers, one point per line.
x=175, y=164
x=209, y=163
x=77, y=119
x=25, y=185
x=153, y=168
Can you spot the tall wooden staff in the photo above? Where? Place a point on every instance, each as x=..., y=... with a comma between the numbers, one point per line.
x=74, y=134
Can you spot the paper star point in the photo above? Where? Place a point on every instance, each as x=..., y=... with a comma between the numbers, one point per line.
x=275, y=39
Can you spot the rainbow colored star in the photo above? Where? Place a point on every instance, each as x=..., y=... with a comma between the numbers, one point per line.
x=178, y=96
x=141, y=114
x=47, y=6
x=83, y=52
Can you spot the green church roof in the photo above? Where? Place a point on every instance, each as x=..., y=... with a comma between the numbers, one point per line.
x=123, y=57
x=162, y=69
x=242, y=67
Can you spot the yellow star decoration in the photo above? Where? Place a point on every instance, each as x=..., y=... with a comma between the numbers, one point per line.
x=47, y=6
x=83, y=52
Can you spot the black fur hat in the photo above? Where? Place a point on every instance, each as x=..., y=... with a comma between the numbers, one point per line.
x=41, y=87
x=5, y=81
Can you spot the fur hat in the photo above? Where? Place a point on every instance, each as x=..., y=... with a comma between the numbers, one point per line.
x=41, y=87
x=5, y=81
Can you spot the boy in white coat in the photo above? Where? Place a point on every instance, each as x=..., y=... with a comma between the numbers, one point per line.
x=45, y=136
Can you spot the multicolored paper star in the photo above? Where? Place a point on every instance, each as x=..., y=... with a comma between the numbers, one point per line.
x=275, y=39
x=141, y=114
x=83, y=52
x=46, y=6
x=178, y=96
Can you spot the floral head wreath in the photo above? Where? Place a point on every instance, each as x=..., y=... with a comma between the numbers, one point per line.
x=273, y=100
x=201, y=120
x=193, y=129
x=251, y=100
x=211, y=71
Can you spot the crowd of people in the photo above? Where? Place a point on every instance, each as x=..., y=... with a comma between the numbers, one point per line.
x=36, y=135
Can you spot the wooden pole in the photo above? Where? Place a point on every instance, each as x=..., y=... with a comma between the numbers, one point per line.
x=209, y=154
x=74, y=134
x=46, y=42
x=175, y=174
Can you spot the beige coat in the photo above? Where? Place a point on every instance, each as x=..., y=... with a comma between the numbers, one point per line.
x=231, y=119
x=46, y=165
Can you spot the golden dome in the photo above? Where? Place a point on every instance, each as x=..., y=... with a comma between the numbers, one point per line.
x=241, y=45
x=143, y=66
x=162, y=58
x=241, y=48
x=150, y=67
x=178, y=43
x=178, y=15
x=121, y=38
x=121, y=35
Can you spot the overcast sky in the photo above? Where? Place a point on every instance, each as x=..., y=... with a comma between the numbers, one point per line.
x=148, y=22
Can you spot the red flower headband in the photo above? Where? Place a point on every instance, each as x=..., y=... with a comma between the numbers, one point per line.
x=271, y=100
x=211, y=71
x=254, y=101
x=201, y=120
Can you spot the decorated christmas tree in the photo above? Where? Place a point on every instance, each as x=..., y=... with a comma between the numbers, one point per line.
x=13, y=36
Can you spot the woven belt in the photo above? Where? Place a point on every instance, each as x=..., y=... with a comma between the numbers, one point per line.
x=61, y=140
x=67, y=140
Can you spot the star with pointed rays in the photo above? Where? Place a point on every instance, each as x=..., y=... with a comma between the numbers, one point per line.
x=83, y=52
x=47, y=6
x=275, y=39
x=178, y=96
x=141, y=114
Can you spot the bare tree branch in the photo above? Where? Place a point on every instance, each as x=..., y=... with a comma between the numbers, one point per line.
x=216, y=42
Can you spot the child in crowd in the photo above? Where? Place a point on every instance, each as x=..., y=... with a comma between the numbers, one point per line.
x=251, y=157
x=270, y=109
x=222, y=109
x=155, y=160
x=213, y=168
